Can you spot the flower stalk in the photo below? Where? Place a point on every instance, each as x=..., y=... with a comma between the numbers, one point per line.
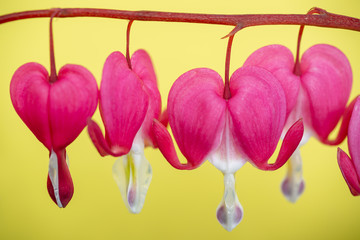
x=227, y=93
x=128, y=43
x=297, y=70
x=53, y=75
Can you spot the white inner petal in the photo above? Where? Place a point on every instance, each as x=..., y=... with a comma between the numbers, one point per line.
x=293, y=184
x=228, y=160
x=300, y=110
x=226, y=157
x=132, y=173
x=229, y=212
x=54, y=175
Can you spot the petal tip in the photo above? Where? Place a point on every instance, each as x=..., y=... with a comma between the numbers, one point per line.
x=166, y=146
x=348, y=171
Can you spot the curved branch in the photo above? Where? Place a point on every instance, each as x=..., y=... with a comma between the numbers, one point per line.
x=329, y=20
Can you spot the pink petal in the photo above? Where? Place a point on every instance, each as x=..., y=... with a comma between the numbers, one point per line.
x=166, y=146
x=123, y=103
x=326, y=79
x=164, y=118
x=290, y=143
x=100, y=142
x=65, y=184
x=257, y=109
x=354, y=136
x=55, y=112
x=72, y=100
x=197, y=113
x=348, y=171
x=142, y=66
x=280, y=62
x=29, y=91
x=344, y=126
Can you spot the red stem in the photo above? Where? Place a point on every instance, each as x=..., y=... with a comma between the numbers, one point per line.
x=53, y=75
x=327, y=20
x=128, y=43
x=227, y=93
x=297, y=69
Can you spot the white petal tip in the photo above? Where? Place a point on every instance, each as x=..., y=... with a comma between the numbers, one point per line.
x=229, y=218
x=229, y=212
x=133, y=174
x=291, y=190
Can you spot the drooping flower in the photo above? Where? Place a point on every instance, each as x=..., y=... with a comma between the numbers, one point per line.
x=317, y=93
x=56, y=112
x=228, y=132
x=129, y=101
x=350, y=166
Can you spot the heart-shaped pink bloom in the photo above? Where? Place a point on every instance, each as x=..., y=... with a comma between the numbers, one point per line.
x=246, y=127
x=202, y=120
x=350, y=166
x=318, y=96
x=129, y=101
x=56, y=113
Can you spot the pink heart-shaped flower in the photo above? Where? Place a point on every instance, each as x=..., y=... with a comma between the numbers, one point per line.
x=129, y=99
x=56, y=113
x=200, y=117
x=228, y=132
x=317, y=93
x=325, y=81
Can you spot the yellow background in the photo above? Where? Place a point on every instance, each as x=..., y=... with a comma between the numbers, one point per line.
x=179, y=204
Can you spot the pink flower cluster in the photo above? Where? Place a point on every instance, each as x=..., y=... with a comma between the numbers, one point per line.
x=269, y=101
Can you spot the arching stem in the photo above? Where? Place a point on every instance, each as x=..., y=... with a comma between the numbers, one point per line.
x=330, y=20
x=227, y=93
x=297, y=69
x=53, y=75
x=128, y=43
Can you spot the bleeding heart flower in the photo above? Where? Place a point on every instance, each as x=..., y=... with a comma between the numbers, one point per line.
x=129, y=101
x=350, y=167
x=228, y=132
x=56, y=112
x=318, y=94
